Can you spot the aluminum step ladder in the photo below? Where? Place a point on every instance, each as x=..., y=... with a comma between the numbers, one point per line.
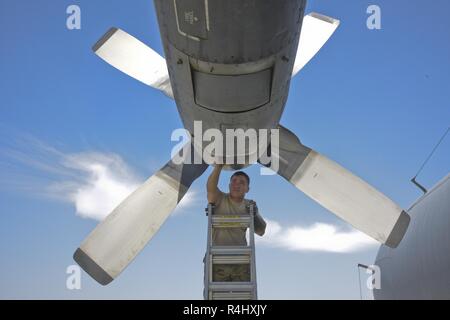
x=230, y=255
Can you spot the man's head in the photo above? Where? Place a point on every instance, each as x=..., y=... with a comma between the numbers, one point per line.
x=239, y=184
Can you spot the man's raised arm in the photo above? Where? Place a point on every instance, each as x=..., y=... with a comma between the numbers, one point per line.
x=211, y=186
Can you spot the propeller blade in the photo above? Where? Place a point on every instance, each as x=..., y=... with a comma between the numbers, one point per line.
x=116, y=241
x=134, y=58
x=339, y=191
x=316, y=30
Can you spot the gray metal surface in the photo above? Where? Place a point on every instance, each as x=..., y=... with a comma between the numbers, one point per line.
x=91, y=267
x=291, y=153
x=231, y=31
x=232, y=93
x=245, y=39
x=419, y=267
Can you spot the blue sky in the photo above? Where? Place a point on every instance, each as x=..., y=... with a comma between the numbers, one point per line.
x=376, y=101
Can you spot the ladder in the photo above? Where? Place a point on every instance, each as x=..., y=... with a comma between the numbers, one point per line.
x=230, y=255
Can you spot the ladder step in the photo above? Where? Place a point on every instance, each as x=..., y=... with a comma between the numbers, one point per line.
x=223, y=295
x=231, y=250
x=229, y=217
x=231, y=221
x=234, y=286
x=231, y=259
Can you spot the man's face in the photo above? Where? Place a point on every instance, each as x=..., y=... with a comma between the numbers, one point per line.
x=238, y=186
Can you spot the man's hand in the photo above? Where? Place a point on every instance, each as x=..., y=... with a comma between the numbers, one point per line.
x=259, y=223
x=251, y=202
x=211, y=186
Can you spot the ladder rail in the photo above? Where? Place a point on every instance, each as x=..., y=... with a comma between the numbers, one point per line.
x=206, y=259
x=252, y=245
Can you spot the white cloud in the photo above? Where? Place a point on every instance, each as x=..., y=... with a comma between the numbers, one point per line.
x=107, y=182
x=95, y=183
x=317, y=237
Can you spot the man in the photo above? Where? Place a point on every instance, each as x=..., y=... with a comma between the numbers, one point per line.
x=232, y=203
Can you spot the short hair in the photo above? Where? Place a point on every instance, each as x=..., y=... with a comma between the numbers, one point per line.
x=241, y=173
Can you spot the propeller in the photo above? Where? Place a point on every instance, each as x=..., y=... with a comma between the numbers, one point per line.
x=316, y=30
x=134, y=58
x=339, y=190
x=116, y=241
